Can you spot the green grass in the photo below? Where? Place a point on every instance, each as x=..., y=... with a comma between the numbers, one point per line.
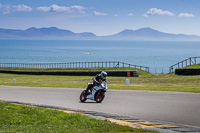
x=23, y=119
x=142, y=73
x=158, y=82
x=193, y=66
x=66, y=69
x=145, y=81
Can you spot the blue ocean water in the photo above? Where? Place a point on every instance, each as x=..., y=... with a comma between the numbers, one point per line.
x=144, y=53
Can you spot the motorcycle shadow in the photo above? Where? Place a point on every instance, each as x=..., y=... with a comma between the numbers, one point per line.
x=88, y=102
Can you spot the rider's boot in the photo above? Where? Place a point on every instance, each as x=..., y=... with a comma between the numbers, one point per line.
x=88, y=88
x=87, y=91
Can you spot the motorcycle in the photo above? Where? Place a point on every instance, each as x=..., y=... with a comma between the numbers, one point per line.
x=97, y=93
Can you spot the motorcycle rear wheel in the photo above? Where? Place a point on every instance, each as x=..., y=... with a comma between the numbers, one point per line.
x=99, y=96
x=83, y=96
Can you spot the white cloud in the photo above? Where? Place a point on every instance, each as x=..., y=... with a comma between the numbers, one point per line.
x=186, y=15
x=21, y=8
x=44, y=9
x=99, y=13
x=116, y=15
x=64, y=9
x=158, y=12
x=6, y=9
x=130, y=14
x=80, y=9
x=16, y=8
x=56, y=8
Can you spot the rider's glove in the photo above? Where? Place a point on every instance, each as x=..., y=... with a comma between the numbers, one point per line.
x=98, y=83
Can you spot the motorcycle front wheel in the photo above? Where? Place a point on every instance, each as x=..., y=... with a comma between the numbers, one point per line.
x=83, y=96
x=99, y=96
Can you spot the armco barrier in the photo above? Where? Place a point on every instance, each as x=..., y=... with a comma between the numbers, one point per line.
x=75, y=73
x=107, y=64
x=187, y=71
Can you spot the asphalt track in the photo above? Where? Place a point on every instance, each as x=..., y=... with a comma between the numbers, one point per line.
x=173, y=107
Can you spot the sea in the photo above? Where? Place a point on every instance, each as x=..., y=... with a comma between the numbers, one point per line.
x=158, y=55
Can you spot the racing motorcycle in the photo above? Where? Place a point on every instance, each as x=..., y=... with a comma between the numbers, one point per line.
x=97, y=93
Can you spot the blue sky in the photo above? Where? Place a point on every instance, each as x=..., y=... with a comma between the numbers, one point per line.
x=102, y=17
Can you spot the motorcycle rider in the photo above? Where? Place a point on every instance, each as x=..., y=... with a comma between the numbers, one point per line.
x=97, y=80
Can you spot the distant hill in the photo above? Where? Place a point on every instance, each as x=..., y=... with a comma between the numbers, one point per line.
x=43, y=33
x=150, y=34
x=143, y=34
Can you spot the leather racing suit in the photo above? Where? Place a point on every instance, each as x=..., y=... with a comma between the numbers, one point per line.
x=96, y=81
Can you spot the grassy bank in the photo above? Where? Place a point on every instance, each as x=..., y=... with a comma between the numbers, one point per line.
x=66, y=69
x=159, y=82
x=142, y=73
x=192, y=66
x=23, y=119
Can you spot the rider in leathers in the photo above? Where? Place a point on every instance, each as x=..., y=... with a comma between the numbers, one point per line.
x=97, y=80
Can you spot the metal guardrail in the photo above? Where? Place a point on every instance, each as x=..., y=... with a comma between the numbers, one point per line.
x=185, y=63
x=109, y=64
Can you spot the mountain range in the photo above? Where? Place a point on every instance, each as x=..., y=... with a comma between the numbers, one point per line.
x=43, y=33
x=143, y=34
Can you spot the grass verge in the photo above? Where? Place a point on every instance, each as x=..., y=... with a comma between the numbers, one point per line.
x=19, y=118
x=159, y=82
x=192, y=66
x=67, y=69
x=145, y=81
x=142, y=73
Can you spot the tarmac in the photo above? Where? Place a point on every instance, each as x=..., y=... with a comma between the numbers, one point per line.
x=166, y=112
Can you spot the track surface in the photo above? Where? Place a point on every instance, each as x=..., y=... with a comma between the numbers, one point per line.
x=175, y=107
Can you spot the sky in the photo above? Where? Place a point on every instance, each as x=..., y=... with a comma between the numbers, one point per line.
x=102, y=17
